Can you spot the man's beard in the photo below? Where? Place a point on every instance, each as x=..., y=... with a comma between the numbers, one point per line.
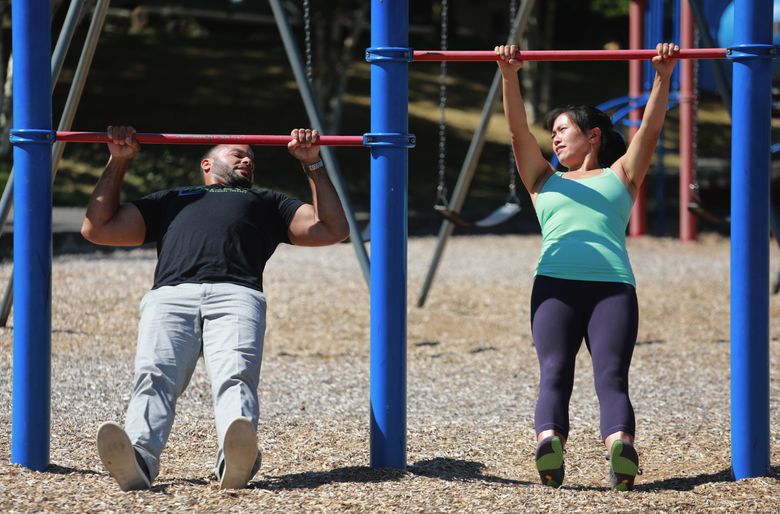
x=231, y=176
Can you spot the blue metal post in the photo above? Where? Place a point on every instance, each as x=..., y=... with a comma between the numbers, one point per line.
x=750, y=164
x=389, y=184
x=32, y=233
x=654, y=33
x=675, y=38
x=660, y=186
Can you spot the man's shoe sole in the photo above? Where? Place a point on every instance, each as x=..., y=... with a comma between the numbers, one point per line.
x=240, y=453
x=118, y=456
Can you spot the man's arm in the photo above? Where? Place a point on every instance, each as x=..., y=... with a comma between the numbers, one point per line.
x=107, y=222
x=322, y=222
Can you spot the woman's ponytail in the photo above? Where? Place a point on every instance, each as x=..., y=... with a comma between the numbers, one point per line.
x=613, y=146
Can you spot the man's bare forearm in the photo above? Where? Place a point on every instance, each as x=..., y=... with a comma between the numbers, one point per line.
x=327, y=204
x=104, y=202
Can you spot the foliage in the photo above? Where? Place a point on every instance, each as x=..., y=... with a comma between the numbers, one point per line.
x=192, y=74
x=610, y=8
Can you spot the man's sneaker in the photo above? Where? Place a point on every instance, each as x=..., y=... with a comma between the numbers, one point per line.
x=623, y=466
x=239, y=451
x=549, y=461
x=120, y=458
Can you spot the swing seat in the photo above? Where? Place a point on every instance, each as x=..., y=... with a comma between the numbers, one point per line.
x=709, y=217
x=497, y=217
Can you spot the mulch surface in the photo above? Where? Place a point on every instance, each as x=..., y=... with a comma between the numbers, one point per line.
x=472, y=380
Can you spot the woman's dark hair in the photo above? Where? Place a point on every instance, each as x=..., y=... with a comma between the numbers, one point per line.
x=586, y=117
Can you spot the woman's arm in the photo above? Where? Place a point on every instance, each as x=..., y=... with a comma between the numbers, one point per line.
x=635, y=162
x=531, y=164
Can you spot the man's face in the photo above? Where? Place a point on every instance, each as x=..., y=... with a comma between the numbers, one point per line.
x=231, y=165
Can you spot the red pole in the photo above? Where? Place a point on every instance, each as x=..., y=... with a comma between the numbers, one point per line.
x=637, y=225
x=205, y=139
x=566, y=55
x=687, y=120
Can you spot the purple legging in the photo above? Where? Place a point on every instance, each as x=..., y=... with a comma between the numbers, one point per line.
x=607, y=316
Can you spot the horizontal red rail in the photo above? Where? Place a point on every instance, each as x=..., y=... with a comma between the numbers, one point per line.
x=565, y=55
x=206, y=139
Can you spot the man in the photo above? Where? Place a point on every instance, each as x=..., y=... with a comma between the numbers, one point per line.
x=212, y=245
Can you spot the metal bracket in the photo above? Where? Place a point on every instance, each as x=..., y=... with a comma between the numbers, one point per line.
x=42, y=136
x=751, y=52
x=389, y=139
x=389, y=54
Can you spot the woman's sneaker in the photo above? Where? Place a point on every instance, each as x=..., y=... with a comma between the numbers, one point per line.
x=623, y=466
x=549, y=461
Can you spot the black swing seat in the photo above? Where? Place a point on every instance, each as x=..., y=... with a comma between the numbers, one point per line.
x=703, y=214
x=497, y=217
x=725, y=224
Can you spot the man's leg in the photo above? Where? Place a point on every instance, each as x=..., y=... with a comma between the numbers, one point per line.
x=169, y=343
x=233, y=332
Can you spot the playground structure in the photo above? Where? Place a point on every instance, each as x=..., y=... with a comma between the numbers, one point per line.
x=646, y=27
x=389, y=142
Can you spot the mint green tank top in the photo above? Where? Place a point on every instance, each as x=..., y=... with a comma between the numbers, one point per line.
x=584, y=228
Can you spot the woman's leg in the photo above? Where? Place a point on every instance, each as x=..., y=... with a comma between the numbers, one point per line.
x=612, y=331
x=557, y=329
x=611, y=335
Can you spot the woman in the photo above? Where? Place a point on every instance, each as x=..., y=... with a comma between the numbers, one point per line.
x=584, y=286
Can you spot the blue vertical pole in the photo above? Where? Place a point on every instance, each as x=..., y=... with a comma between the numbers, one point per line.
x=32, y=233
x=654, y=33
x=389, y=184
x=660, y=186
x=750, y=238
x=675, y=38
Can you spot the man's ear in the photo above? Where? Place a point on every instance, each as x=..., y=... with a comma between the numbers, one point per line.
x=205, y=165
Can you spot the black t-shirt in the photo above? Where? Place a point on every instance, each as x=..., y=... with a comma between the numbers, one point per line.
x=209, y=234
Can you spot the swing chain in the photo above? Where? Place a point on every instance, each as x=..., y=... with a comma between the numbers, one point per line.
x=512, y=196
x=513, y=26
x=307, y=41
x=441, y=188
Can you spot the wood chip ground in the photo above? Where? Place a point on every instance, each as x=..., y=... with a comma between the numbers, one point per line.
x=472, y=381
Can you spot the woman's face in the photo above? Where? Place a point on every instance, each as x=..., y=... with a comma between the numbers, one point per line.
x=570, y=143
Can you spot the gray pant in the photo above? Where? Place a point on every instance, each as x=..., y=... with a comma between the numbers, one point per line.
x=223, y=322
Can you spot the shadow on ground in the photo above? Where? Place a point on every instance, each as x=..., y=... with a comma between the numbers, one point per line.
x=65, y=470
x=441, y=468
x=691, y=482
x=458, y=470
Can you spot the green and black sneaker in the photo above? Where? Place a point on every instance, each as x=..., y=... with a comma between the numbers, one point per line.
x=623, y=466
x=549, y=461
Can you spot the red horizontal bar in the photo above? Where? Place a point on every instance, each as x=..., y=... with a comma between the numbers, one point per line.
x=565, y=55
x=206, y=139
